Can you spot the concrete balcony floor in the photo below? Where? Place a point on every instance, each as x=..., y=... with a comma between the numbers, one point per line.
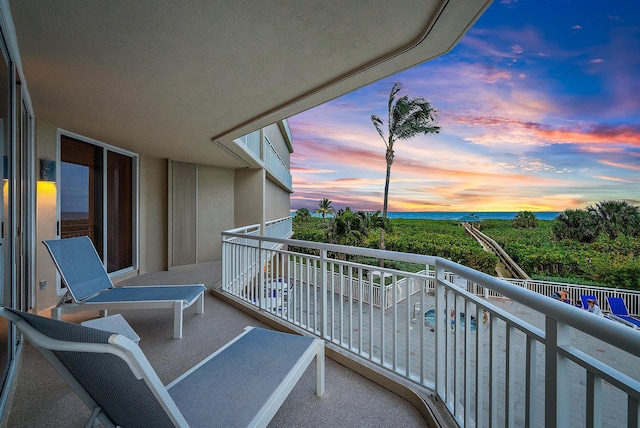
x=41, y=398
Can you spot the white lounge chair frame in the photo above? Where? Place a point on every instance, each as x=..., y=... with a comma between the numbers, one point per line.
x=101, y=288
x=178, y=403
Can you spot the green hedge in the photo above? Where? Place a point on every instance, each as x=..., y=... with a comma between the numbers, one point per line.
x=614, y=263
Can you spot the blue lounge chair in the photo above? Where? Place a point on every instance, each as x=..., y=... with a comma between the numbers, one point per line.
x=584, y=299
x=620, y=313
x=242, y=384
x=89, y=286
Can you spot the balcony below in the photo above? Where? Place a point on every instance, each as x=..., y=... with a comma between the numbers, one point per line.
x=41, y=398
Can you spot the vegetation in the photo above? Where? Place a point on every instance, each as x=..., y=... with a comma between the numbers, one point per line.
x=573, y=247
x=577, y=225
x=352, y=228
x=611, y=218
x=407, y=118
x=576, y=247
x=616, y=218
x=525, y=220
x=324, y=208
x=442, y=238
x=446, y=239
x=303, y=215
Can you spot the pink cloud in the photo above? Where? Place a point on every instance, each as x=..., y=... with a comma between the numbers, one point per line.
x=621, y=165
x=540, y=134
x=618, y=179
x=298, y=170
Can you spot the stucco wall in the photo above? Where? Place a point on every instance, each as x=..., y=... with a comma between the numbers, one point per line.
x=153, y=214
x=276, y=201
x=249, y=197
x=215, y=210
x=225, y=199
x=46, y=209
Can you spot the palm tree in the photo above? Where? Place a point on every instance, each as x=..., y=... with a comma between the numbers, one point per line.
x=324, y=208
x=576, y=224
x=302, y=215
x=407, y=118
x=616, y=217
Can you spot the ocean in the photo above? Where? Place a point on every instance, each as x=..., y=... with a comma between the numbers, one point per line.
x=445, y=215
x=452, y=215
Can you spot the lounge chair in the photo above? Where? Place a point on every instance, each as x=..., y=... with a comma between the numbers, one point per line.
x=584, y=298
x=620, y=313
x=89, y=286
x=242, y=384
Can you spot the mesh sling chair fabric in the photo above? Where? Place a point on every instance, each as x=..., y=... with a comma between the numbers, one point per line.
x=90, y=287
x=242, y=384
x=102, y=379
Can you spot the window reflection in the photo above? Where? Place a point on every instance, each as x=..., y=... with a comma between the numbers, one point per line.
x=6, y=293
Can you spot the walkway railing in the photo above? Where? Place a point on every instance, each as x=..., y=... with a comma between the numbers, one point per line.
x=487, y=365
x=630, y=297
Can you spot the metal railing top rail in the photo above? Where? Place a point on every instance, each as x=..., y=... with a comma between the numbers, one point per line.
x=618, y=335
x=278, y=220
x=241, y=232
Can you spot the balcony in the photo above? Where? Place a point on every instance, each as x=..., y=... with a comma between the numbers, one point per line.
x=264, y=153
x=41, y=398
x=517, y=359
x=499, y=354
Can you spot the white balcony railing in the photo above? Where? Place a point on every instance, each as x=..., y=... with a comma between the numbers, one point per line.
x=280, y=228
x=275, y=165
x=252, y=142
x=487, y=365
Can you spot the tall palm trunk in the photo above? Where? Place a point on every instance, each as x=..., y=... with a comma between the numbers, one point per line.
x=407, y=117
x=389, y=156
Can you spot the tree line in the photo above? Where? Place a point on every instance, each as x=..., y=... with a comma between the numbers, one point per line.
x=547, y=250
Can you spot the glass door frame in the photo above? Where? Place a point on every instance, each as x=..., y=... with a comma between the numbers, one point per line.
x=135, y=199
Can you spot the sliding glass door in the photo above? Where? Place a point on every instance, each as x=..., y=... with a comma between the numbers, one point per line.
x=97, y=199
x=6, y=216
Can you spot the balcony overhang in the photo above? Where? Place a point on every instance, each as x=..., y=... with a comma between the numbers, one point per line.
x=167, y=79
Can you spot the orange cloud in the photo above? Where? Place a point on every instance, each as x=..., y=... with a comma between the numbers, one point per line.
x=533, y=133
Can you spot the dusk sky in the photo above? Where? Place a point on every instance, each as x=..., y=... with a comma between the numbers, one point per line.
x=539, y=107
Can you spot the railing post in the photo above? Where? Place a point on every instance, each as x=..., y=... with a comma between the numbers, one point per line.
x=261, y=275
x=556, y=375
x=441, y=332
x=323, y=292
x=225, y=259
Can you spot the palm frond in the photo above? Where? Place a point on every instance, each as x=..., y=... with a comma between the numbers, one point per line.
x=397, y=87
x=377, y=122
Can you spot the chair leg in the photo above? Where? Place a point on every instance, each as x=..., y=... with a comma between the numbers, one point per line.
x=177, y=320
x=320, y=370
x=56, y=313
x=200, y=304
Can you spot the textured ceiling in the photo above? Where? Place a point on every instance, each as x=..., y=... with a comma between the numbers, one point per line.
x=166, y=78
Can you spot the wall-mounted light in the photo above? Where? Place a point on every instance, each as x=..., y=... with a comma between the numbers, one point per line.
x=47, y=170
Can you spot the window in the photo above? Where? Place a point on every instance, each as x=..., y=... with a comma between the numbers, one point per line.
x=98, y=199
